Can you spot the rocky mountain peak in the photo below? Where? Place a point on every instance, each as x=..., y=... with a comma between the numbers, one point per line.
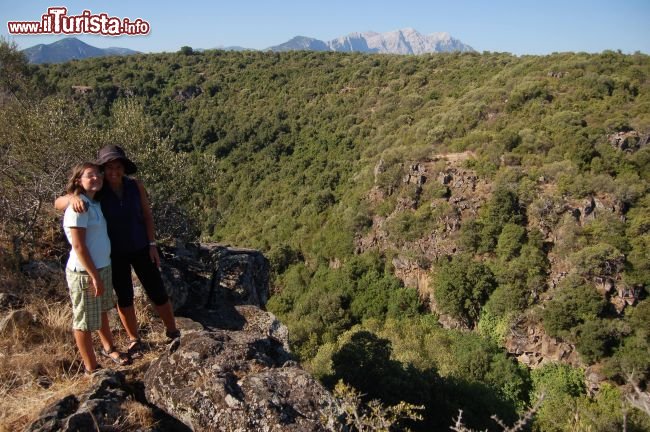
x=401, y=41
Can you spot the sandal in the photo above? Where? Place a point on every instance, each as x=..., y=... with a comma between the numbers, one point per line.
x=172, y=334
x=135, y=348
x=91, y=373
x=121, y=359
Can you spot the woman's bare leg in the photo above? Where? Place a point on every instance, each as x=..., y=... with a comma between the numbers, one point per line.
x=129, y=321
x=166, y=313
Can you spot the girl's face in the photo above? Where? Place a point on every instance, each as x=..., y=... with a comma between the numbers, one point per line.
x=114, y=171
x=91, y=180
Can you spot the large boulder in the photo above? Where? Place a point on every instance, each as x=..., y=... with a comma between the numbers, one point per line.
x=210, y=275
x=109, y=404
x=241, y=276
x=224, y=380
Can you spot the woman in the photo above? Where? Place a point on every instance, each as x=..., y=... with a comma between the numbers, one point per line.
x=132, y=234
x=88, y=270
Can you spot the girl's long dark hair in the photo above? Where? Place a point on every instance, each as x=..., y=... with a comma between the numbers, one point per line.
x=73, y=186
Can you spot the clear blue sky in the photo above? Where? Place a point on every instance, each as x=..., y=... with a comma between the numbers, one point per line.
x=518, y=27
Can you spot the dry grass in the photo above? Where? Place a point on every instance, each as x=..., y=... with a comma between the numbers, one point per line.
x=20, y=407
x=38, y=364
x=138, y=417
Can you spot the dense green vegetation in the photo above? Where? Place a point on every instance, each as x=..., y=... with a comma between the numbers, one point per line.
x=277, y=151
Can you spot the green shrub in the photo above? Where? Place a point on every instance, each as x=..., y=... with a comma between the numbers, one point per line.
x=594, y=340
x=502, y=209
x=510, y=241
x=574, y=304
x=560, y=385
x=461, y=286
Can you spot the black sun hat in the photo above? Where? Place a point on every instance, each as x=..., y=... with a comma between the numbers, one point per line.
x=113, y=152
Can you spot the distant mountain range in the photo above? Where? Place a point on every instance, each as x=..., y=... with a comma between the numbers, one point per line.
x=403, y=41
x=69, y=49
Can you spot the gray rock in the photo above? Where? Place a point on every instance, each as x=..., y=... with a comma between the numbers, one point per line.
x=101, y=406
x=20, y=319
x=53, y=414
x=264, y=323
x=241, y=276
x=235, y=380
x=589, y=206
x=209, y=275
x=42, y=269
x=187, y=325
x=10, y=301
x=629, y=141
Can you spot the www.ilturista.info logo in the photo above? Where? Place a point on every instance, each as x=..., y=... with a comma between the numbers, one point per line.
x=57, y=21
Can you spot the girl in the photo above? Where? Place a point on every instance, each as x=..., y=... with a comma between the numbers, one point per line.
x=88, y=271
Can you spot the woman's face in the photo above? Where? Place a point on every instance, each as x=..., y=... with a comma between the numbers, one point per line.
x=91, y=180
x=114, y=171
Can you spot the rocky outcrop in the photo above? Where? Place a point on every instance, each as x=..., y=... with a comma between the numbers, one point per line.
x=238, y=373
x=231, y=370
x=208, y=276
x=459, y=193
x=187, y=93
x=235, y=381
x=629, y=141
x=109, y=404
x=412, y=273
x=533, y=347
x=588, y=208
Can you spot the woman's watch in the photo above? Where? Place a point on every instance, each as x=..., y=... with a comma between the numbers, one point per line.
x=152, y=243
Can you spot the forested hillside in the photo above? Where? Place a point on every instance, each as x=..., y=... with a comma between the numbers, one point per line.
x=426, y=217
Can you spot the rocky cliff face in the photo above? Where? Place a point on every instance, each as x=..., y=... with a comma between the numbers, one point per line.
x=459, y=194
x=230, y=371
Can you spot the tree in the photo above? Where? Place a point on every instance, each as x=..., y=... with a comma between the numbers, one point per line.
x=461, y=286
x=364, y=363
x=186, y=50
x=29, y=182
x=594, y=340
x=503, y=208
x=599, y=261
x=560, y=385
x=14, y=69
x=511, y=239
x=574, y=304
